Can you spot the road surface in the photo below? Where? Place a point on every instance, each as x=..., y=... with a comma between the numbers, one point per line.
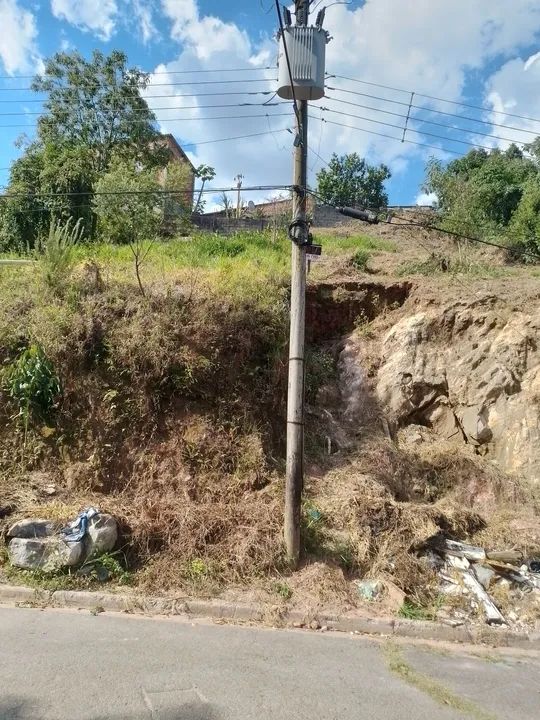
x=57, y=665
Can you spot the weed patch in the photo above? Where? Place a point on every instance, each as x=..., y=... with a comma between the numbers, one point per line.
x=432, y=688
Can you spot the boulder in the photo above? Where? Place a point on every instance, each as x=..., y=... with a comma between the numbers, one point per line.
x=101, y=535
x=32, y=528
x=475, y=426
x=45, y=553
x=470, y=371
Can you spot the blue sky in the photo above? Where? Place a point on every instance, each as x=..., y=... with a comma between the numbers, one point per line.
x=463, y=52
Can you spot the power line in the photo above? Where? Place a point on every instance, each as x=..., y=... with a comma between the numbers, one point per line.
x=415, y=119
x=145, y=111
x=438, y=99
x=254, y=188
x=185, y=107
x=436, y=228
x=153, y=97
x=196, y=119
x=432, y=110
x=151, y=84
x=218, y=140
x=163, y=72
x=390, y=137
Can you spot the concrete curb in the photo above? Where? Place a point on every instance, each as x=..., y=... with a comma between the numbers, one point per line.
x=243, y=612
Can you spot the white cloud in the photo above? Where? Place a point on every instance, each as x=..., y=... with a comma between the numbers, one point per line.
x=96, y=16
x=207, y=36
x=18, y=48
x=426, y=199
x=429, y=46
x=143, y=15
x=513, y=90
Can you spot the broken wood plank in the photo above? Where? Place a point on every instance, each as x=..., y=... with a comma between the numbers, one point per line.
x=470, y=552
x=514, y=557
x=493, y=614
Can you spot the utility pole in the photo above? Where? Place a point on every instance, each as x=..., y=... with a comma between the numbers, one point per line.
x=238, y=179
x=295, y=400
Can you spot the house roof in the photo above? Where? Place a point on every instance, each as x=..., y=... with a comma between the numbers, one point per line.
x=176, y=149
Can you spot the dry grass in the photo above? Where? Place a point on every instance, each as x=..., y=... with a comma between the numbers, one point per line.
x=172, y=417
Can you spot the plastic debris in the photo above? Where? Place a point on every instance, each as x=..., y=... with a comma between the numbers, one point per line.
x=368, y=589
x=76, y=530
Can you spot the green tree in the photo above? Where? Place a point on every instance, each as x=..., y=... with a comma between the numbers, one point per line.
x=97, y=105
x=205, y=173
x=525, y=225
x=133, y=215
x=351, y=180
x=481, y=191
x=94, y=112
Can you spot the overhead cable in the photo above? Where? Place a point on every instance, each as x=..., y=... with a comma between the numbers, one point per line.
x=431, y=110
x=484, y=108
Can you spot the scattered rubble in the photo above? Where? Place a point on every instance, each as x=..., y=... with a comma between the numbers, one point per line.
x=36, y=544
x=469, y=573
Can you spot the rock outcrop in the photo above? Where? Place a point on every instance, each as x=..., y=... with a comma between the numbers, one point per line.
x=470, y=371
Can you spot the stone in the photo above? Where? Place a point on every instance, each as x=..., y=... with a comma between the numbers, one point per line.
x=442, y=420
x=484, y=575
x=477, y=360
x=32, y=528
x=101, y=535
x=46, y=553
x=314, y=625
x=475, y=426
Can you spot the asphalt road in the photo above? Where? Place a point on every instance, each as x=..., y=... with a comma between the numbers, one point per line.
x=57, y=665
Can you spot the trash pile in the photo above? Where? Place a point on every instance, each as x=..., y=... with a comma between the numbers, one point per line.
x=35, y=544
x=475, y=577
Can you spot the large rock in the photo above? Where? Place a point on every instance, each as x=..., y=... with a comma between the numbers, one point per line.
x=470, y=371
x=48, y=553
x=101, y=535
x=32, y=528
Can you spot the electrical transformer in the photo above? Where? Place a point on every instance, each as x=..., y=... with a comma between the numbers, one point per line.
x=306, y=48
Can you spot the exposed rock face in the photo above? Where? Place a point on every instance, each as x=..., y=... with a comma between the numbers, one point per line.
x=471, y=372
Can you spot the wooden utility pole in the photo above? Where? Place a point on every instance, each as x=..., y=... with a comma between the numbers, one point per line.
x=295, y=400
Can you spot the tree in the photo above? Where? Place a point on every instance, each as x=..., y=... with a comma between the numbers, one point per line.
x=227, y=204
x=132, y=215
x=482, y=190
x=525, y=225
x=350, y=180
x=205, y=173
x=97, y=105
x=94, y=112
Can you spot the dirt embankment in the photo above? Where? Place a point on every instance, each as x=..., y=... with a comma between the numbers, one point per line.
x=422, y=418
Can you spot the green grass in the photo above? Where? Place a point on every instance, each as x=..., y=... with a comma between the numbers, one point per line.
x=397, y=664
x=338, y=245
x=451, y=267
x=92, y=575
x=411, y=611
x=200, y=251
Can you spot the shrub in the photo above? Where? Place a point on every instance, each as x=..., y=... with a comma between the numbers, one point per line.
x=32, y=385
x=56, y=252
x=525, y=225
x=360, y=260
